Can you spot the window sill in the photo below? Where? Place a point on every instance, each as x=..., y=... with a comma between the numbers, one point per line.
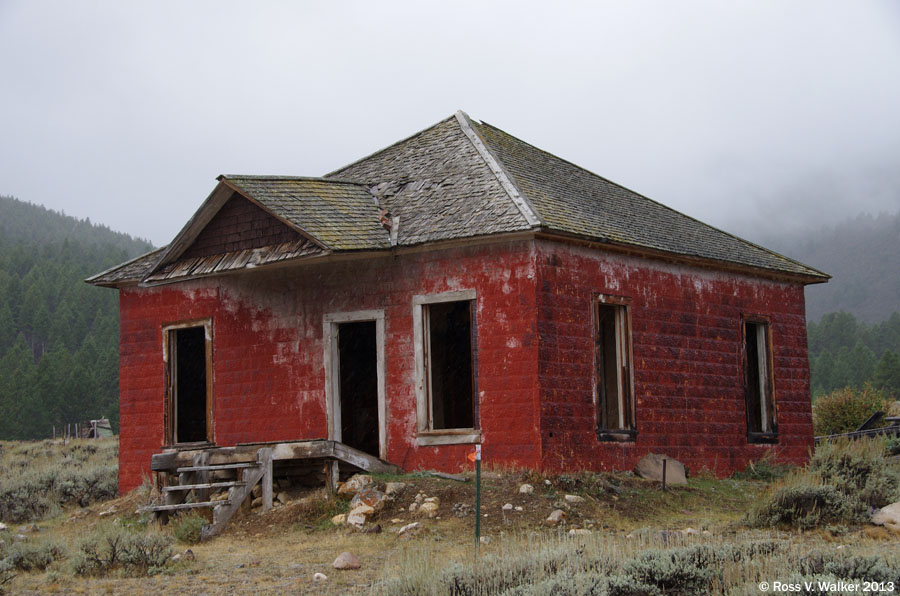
x=764, y=438
x=616, y=436
x=448, y=437
x=188, y=446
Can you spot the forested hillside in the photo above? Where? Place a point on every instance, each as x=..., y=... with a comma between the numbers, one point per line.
x=58, y=335
x=854, y=325
x=844, y=352
x=861, y=256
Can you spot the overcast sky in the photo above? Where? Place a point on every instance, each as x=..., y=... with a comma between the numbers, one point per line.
x=738, y=113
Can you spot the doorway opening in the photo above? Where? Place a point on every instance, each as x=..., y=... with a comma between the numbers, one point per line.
x=189, y=385
x=358, y=385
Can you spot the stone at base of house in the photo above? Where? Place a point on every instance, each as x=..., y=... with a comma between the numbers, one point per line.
x=651, y=466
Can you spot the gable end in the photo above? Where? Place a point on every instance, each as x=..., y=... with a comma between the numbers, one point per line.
x=239, y=225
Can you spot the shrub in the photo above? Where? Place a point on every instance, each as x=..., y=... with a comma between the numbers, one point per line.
x=675, y=571
x=844, y=410
x=806, y=503
x=848, y=567
x=42, y=476
x=188, y=528
x=858, y=469
x=32, y=557
x=113, y=547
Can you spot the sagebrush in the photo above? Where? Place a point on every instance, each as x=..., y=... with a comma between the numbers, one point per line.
x=647, y=565
x=842, y=481
x=40, y=477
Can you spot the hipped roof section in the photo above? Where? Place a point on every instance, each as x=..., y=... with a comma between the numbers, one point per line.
x=457, y=179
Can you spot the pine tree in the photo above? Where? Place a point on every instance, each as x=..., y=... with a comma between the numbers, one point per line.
x=887, y=373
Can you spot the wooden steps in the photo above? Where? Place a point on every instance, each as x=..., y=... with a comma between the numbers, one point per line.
x=241, y=468
x=228, y=484
x=194, y=479
x=216, y=467
x=180, y=506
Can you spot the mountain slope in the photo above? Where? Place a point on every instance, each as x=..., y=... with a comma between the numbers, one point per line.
x=58, y=336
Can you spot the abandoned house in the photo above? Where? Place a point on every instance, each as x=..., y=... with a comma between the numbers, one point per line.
x=459, y=287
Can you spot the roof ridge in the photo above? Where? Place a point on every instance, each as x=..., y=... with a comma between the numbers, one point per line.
x=293, y=178
x=663, y=205
x=383, y=149
x=506, y=182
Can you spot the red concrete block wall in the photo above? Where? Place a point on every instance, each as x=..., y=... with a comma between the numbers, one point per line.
x=268, y=351
x=688, y=378
x=534, y=350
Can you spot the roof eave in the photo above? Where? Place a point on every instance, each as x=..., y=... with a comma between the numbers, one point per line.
x=706, y=262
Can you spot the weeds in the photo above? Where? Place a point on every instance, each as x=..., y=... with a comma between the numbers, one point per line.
x=188, y=528
x=764, y=469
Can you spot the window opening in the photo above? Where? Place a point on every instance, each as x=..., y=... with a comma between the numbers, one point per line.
x=450, y=379
x=758, y=382
x=615, y=406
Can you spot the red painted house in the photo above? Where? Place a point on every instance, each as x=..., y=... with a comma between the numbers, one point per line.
x=459, y=287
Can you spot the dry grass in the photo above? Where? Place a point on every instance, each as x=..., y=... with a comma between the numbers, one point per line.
x=279, y=552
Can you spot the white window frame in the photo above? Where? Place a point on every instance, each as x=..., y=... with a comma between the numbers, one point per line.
x=426, y=434
x=332, y=372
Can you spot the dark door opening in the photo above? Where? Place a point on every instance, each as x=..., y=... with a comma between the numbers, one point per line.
x=358, y=366
x=189, y=391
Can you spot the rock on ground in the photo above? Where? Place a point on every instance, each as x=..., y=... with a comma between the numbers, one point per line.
x=347, y=560
x=889, y=514
x=359, y=515
x=394, y=488
x=526, y=489
x=651, y=465
x=370, y=496
x=410, y=529
x=557, y=516
x=428, y=509
x=356, y=483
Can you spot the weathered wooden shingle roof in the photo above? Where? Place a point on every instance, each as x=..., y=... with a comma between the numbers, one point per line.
x=437, y=182
x=129, y=271
x=457, y=179
x=570, y=199
x=338, y=215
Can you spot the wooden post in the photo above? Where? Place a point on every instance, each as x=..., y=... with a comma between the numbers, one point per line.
x=202, y=476
x=664, y=474
x=264, y=457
